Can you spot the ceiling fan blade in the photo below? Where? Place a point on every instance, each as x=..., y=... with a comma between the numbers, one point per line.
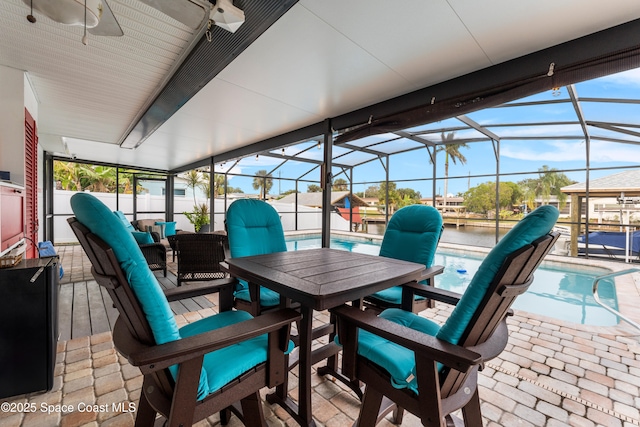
x=108, y=25
x=192, y=13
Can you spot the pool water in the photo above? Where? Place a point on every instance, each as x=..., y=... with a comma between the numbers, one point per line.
x=563, y=294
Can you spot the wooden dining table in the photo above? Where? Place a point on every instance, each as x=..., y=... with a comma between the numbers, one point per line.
x=320, y=279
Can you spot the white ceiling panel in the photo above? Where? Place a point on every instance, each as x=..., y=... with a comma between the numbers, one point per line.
x=320, y=60
x=507, y=29
x=94, y=91
x=425, y=42
x=222, y=102
x=306, y=63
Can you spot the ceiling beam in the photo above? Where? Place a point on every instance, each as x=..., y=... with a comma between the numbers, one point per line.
x=578, y=109
x=203, y=63
x=475, y=125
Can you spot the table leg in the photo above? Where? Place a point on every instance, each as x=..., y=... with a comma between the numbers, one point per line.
x=331, y=368
x=301, y=412
x=304, y=368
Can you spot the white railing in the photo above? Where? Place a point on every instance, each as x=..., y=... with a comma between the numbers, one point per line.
x=596, y=297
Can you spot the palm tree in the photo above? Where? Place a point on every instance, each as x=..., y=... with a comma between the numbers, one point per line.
x=68, y=174
x=125, y=181
x=263, y=182
x=548, y=183
x=340, y=184
x=200, y=214
x=194, y=179
x=102, y=179
x=205, y=186
x=219, y=182
x=451, y=151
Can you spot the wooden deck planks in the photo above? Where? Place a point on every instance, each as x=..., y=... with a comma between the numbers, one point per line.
x=80, y=320
x=97, y=309
x=85, y=308
x=65, y=311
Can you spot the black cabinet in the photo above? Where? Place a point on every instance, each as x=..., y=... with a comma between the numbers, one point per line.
x=28, y=326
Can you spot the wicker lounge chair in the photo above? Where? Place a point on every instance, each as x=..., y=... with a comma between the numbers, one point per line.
x=199, y=256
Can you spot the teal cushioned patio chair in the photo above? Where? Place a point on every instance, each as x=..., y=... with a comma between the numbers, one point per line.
x=412, y=235
x=431, y=370
x=254, y=228
x=216, y=364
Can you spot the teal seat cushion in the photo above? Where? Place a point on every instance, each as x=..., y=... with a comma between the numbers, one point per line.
x=169, y=228
x=268, y=298
x=109, y=227
x=393, y=295
x=124, y=220
x=533, y=226
x=224, y=365
x=399, y=361
x=254, y=228
x=142, y=237
x=412, y=235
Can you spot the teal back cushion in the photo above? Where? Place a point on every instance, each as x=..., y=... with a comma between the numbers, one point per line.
x=142, y=237
x=535, y=225
x=124, y=220
x=254, y=228
x=169, y=228
x=109, y=227
x=413, y=234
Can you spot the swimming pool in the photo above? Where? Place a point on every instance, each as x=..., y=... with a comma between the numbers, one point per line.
x=564, y=294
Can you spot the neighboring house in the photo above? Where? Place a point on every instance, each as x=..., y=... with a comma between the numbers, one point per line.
x=454, y=203
x=614, y=198
x=611, y=198
x=339, y=199
x=371, y=201
x=158, y=188
x=234, y=196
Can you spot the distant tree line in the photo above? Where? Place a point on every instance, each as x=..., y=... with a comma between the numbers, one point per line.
x=73, y=176
x=513, y=195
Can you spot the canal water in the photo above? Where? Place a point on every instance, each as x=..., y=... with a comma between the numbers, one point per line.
x=473, y=236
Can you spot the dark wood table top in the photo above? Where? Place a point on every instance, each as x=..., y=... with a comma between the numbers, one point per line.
x=324, y=278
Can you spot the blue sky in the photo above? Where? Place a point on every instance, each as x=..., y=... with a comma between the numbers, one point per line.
x=517, y=155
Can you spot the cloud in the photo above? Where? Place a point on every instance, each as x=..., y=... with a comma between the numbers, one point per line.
x=548, y=151
x=561, y=151
x=626, y=78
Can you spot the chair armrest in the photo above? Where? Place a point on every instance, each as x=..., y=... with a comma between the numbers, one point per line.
x=154, y=249
x=198, y=289
x=451, y=355
x=153, y=245
x=431, y=292
x=224, y=266
x=153, y=358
